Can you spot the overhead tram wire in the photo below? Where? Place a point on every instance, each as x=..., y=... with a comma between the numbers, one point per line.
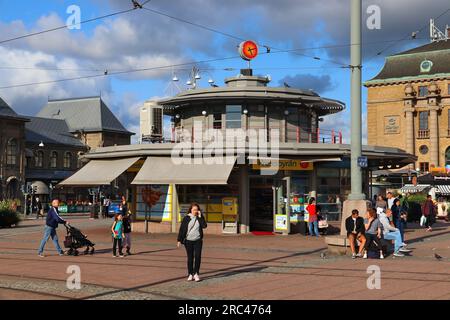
x=65, y=26
x=105, y=74
x=280, y=51
x=236, y=37
x=110, y=73
x=409, y=37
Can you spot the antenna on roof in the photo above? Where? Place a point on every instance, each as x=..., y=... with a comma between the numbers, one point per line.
x=436, y=34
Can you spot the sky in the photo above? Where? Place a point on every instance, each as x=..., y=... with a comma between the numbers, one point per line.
x=168, y=35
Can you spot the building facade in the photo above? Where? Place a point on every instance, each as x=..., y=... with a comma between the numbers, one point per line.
x=52, y=155
x=241, y=186
x=408, y=104
x=42, y=151
x=12, y=152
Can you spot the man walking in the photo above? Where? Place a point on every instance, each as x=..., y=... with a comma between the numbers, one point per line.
x=52, y=221
x=39, y=208
x=429, y=211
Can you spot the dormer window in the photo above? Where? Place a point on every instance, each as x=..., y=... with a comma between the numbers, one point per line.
x=426, y=66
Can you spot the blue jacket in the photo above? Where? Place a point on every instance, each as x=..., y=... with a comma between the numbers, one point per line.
x=53, y=218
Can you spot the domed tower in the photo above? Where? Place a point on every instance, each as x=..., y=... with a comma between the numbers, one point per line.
x=247, y=102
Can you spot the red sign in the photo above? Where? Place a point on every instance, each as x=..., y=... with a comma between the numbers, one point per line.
x=248, y=50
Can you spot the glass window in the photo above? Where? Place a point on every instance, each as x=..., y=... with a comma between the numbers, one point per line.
x=448, y=117
x=447, y=157
x=53, y=159
x=217, y=121
x=233, y=117
x=423, y=91
x=11, y=152
x=67, y=160
x=423, y=120
x=39, y=159
x=424, y=167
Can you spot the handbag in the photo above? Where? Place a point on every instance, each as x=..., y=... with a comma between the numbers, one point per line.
x=423, y=221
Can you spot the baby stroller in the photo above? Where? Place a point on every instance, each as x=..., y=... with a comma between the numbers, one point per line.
x=323, y=224
x=75, y=240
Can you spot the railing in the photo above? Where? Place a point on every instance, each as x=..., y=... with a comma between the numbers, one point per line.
x=423, y=134
x=302, y=136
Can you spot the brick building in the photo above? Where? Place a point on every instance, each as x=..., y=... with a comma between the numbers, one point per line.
x=408, y=104
x=12, y=151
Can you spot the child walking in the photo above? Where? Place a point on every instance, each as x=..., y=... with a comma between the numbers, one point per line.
x=127, y=231
x=117, y=232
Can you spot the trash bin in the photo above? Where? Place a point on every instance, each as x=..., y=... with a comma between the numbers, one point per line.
x=94, y=211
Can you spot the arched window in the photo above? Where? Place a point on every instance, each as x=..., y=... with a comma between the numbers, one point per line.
x=39, y=159
x=11, y=152
x=447, y=157
x=53, y=159
x=67, y=160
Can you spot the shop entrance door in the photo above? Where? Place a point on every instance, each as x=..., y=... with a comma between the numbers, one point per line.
x=261, y=204
x=281, y=205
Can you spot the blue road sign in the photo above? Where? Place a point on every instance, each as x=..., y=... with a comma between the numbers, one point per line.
x=363, y=162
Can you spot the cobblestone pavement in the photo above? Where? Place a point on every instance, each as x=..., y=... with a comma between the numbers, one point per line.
x=233, y=267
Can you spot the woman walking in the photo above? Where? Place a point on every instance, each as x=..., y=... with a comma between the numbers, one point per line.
x=191, y=235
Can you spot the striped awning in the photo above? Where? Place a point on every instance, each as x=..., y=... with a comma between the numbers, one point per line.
x=443, y=190
x=410, y=188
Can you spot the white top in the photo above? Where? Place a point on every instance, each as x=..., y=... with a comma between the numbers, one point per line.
x=390, y=202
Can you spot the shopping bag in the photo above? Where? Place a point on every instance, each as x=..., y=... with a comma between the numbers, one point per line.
x=423, y=221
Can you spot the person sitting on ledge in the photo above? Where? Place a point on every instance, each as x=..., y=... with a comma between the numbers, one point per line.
x=355, y=231
x=392, y=233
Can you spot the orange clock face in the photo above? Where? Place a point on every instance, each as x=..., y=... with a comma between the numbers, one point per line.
x=248, y=50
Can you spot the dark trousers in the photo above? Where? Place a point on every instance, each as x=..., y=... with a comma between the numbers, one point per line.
x=194, y=255
x=430, y=221
x=372, y=238
x=117, y=241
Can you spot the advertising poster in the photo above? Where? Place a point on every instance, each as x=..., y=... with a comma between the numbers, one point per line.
x=281, y=222
x=155, y=201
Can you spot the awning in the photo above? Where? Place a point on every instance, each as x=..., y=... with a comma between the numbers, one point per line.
x=164, y=170
x=410, y=188
x=41, y=187
x=443, y=190
x=99, y=172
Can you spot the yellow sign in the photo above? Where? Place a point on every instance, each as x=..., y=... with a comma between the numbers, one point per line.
x=440, y=170
x=294, y=165
x=229, y=206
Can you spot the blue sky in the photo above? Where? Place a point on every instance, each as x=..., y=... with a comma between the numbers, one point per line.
x=143, y=39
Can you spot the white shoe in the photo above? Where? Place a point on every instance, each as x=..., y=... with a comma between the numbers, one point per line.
x=404, y=244
x=196, y=277
x=398, y=254
x=381, y=255
x=190, y=278
x=365, y=255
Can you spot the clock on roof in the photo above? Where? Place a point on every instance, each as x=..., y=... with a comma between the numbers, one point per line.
x=248, y=50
